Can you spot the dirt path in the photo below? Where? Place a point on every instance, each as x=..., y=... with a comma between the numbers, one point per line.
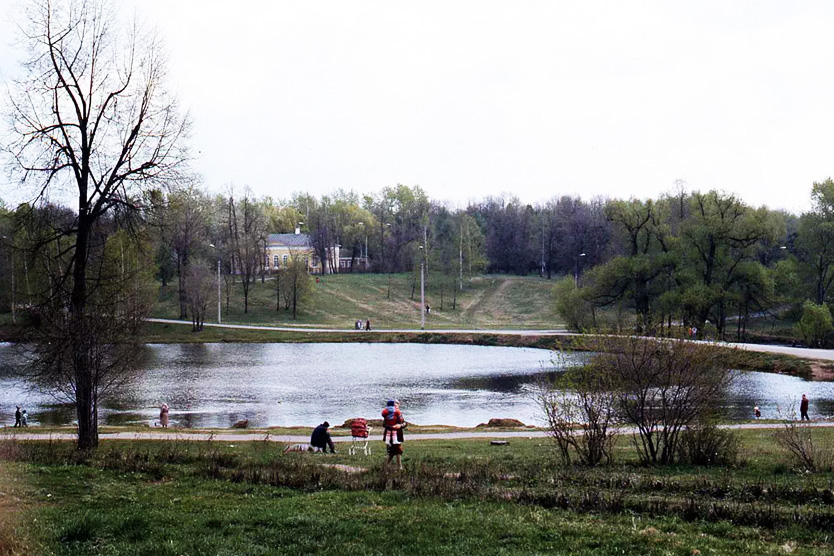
x=486, y=295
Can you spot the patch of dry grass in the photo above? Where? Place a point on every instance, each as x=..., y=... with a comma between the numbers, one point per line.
x=15, y=500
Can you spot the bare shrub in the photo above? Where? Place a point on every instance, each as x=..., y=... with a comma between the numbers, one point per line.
x=580, y=412
x=706, y=444
x=797, y=439
x=663, y=387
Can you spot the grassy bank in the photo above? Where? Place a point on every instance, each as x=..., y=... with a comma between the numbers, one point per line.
x=454, y=497
x=392, y=301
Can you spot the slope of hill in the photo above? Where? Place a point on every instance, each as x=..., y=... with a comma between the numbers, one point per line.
x=491, y=302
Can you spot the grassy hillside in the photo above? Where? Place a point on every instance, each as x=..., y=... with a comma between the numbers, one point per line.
x=454, y=497
x=491, y=302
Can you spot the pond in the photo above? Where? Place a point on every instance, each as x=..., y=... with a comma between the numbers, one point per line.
x=215, y=385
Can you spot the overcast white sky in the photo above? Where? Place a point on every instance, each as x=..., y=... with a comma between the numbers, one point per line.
x=477, y=98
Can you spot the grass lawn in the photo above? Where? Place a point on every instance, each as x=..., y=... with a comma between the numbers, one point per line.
x=454, y=497
x=490, y=302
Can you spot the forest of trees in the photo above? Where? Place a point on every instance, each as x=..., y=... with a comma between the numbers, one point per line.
x=700, y=259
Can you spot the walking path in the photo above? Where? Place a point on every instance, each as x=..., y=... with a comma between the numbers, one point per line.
x=260, y=436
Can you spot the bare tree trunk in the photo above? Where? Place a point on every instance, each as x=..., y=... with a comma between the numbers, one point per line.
x=294, y=294
x=85, y=409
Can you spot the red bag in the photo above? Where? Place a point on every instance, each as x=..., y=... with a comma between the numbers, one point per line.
x=359, y=428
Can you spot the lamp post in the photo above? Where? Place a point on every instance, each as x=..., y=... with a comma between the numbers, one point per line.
x=576, y=271
x=219, y=296
x=422, y=290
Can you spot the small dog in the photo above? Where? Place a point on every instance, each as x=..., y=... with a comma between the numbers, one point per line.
x=297, y=448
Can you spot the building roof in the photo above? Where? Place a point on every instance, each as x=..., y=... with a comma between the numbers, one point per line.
x=289, y=240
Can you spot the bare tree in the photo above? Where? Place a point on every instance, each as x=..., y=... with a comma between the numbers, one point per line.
x=120, y=296
x=580, y=410
x=199, y=289
x=298, y=284
x=247, y=230
x=90, y=115
x=663, y=388
x=185, y=231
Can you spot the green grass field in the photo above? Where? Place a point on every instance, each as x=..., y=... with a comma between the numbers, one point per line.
x=488, y=302
x=454, y=497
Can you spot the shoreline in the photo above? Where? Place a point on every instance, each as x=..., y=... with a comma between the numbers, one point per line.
x=339, y=435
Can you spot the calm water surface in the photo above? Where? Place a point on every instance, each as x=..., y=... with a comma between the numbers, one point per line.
x=215, y=385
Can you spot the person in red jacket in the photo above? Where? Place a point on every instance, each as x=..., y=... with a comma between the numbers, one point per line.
x=393, y=424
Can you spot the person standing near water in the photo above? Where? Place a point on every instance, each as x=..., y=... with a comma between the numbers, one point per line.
x=803, y=409
x=163, y=416
x=393, y=424
x=17, y=417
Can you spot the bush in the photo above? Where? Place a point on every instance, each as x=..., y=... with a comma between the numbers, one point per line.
x=706, y=444
x=571, y=306
x=797, y=439
x=663, y=387
x=580, y=411
x=815, y=324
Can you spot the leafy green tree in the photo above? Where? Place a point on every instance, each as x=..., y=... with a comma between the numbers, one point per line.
x=720, y=233
x=815, y=240
x=572, y=306
x=815, y=325
x=637, y=276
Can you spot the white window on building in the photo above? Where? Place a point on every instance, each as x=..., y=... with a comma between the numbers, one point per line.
x=286, y=258
x=275, y=261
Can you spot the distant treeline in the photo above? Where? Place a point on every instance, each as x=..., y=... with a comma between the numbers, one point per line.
x=686, y=257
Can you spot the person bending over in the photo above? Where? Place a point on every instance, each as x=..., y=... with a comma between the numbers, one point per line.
x=320, y=438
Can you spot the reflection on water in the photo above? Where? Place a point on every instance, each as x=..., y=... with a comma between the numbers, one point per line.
x=215, y=385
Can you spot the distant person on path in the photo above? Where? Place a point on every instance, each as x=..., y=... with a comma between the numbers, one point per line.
x=803, y=409
x=428, y=309
x=163, y=416
x=320, y=439
x=393, y=424
x=368, y=325
x=24, y=419
x=756, y=412
x=17, y=415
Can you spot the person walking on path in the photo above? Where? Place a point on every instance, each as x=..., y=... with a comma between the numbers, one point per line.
x=368, y=325
x=163, y=416
x=320, y=439
x=17, y=415
x=803, y=409
x=393, y=424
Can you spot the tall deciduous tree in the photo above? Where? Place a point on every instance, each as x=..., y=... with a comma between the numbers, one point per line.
x=91, y=114
x=816, y=239
x=717, y=238
x=247, y=234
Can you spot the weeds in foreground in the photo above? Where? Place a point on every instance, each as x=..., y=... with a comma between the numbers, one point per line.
x=807, y=449
x=718, y=497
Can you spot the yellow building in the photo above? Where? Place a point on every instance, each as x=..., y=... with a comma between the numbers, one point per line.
x=281, y=248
